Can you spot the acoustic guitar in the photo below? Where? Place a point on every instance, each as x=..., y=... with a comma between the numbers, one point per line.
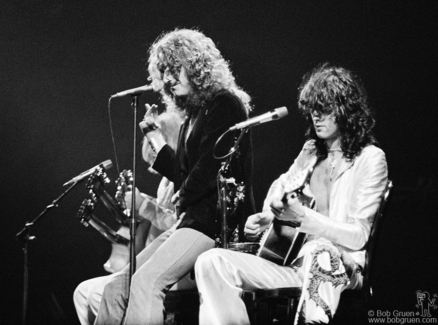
x=119, y=239
x=282, y=241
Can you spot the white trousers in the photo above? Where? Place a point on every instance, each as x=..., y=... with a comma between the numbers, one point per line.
x=168, y=259
x=222, y=275
x=87, y=296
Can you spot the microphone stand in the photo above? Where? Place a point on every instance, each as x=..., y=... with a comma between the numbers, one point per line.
x=131, y=217
x=24, y=237
x=222, y=185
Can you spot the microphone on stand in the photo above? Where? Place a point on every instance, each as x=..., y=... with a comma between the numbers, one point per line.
x=106, y=164
x=134, y=91
x=275, y=114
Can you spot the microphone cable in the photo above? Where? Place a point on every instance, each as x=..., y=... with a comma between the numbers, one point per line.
x=112, y=136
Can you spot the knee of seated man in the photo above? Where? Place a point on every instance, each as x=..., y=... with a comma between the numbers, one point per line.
x=116, y=285
x=80, y=293
x=208, y=258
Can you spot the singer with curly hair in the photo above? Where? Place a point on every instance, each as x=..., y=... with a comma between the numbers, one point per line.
x=191, y=75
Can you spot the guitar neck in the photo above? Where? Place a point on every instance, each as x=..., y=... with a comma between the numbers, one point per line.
x=114, y=209
x=86, y=216
x=106, y=231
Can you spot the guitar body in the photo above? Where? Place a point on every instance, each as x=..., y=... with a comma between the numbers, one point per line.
x=119, y=257
x=282, y=242
x=277, y=242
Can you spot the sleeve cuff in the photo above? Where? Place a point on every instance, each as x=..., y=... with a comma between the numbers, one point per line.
x=313, y=223
x=156, y=140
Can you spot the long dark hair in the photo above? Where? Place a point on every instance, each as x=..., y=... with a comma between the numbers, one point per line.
x=329, y=89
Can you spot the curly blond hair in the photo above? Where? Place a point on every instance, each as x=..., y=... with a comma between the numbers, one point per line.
x=207, y=71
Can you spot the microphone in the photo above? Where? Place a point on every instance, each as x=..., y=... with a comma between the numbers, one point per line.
x=276, y=114
x=134, y=91
x=106, y=164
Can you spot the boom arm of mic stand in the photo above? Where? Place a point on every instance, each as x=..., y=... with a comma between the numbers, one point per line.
x=23, y=235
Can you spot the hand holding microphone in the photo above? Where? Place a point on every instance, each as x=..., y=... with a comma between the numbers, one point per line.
x=151, y=129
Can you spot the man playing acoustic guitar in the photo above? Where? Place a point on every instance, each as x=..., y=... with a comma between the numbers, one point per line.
x=346, y=174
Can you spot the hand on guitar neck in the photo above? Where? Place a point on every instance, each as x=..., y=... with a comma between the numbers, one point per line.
x=282, y=241
x=286, y=208
x=289, y=210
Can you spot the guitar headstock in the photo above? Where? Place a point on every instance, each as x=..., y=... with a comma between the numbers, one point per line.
x=97, y=182
x=85, y=212
x=124, y=183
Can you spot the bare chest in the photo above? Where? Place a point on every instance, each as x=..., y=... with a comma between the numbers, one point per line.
x=321, y=185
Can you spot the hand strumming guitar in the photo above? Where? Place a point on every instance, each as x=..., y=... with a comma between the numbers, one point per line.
x=257, y=223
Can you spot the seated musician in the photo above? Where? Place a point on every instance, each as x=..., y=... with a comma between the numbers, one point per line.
x=347, y=182
x=194, y=76
x=158, y=214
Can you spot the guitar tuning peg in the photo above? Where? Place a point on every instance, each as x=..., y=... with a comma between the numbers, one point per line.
x=90, y=180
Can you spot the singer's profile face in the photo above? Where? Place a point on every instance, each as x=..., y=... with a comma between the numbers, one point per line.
x=325, y=125
x=180, y=86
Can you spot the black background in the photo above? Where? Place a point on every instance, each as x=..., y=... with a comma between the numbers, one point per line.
x=61, y=60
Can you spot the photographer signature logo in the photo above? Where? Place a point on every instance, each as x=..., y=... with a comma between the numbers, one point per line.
x=425, y=303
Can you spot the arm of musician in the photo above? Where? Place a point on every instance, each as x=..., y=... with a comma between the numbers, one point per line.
x=276, y=190
x=163, y=158
x=161, y=217
x=290, y=211
x=369, y=183
x=151, y=129
x=156, y=140
x=224, y=112
x=257, y=223
x=159, y=211
x=275, y=193
x=139, y=198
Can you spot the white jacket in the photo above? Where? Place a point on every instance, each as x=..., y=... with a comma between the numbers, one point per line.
x=355, y=197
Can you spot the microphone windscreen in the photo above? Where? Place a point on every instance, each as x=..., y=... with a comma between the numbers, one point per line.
x=107, y=164
x=281, y=111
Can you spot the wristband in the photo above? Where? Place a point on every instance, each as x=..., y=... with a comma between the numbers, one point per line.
x=149, y=128
x=156, y=140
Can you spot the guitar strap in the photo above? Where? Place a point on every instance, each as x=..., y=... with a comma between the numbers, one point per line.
x=298, y=261
x=311, y=166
